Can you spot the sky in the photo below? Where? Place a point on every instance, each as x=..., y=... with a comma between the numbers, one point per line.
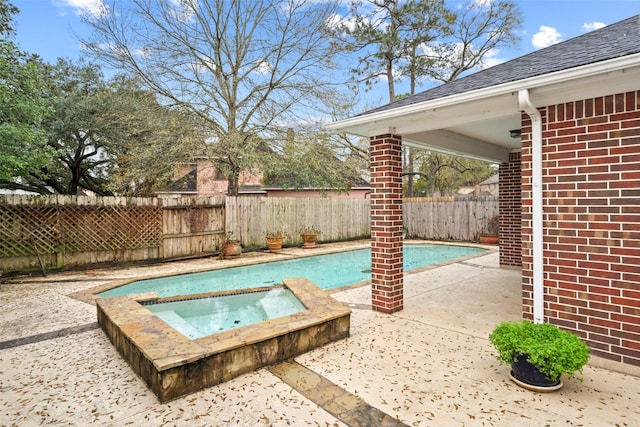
x=51, y=28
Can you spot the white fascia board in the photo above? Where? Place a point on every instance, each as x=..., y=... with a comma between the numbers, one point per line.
x=359, y=124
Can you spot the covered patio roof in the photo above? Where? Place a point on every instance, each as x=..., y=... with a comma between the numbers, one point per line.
x=473, y=116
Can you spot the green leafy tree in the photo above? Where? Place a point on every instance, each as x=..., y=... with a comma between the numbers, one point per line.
x=146, y=139
x=441, y=174
x=384, y=33
x=245, y=68
x=310, y=160
x=107, y=137
x=23, y=105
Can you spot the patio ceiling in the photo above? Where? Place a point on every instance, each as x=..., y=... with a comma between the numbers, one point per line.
x=477, y=123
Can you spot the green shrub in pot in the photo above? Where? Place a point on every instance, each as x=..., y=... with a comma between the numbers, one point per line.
x=553, y=351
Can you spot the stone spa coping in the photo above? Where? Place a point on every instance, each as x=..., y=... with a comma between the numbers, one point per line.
x=173, y=365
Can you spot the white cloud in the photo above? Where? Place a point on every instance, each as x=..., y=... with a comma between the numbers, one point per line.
x=546, y=36
x=337, y=21
x=492, y=58
x=482, y=3
x=263, y=67
x=182, y=10
x=95, y=8
x=590, y=26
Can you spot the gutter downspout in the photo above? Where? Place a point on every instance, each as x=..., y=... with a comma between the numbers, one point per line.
x=536, y=198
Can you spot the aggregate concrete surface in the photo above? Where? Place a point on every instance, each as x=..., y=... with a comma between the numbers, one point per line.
x=430, y=364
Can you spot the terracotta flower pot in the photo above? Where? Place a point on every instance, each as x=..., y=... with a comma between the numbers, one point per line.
x=275, y=243
x=231, y=249
x=489, y=239
x=309, y=240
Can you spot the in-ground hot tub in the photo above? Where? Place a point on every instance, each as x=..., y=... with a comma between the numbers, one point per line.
x=202, y=316
x=173, y=365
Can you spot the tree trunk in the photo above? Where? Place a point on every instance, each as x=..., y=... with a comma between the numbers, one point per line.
x=410, y=158
x=233, y=181
x=392, y=90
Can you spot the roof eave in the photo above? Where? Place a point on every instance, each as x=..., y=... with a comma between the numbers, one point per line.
x=362, y=125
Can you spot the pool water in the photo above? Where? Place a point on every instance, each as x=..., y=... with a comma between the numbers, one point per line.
x=196, y=318
x=326, y=271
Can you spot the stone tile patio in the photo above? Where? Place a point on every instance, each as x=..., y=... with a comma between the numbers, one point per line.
x=428, y=365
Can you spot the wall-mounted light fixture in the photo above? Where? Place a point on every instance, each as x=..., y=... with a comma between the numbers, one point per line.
x=515, y=133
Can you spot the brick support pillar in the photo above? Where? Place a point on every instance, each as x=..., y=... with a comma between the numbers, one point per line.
x=510, y=191
x=386, y=223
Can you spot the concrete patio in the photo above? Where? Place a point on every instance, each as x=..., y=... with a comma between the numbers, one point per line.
x=428, y=365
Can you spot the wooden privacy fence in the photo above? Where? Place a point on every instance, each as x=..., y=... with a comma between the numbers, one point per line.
x=63, y=231
x=43, y=232
x=462, y=218
x=251, y=218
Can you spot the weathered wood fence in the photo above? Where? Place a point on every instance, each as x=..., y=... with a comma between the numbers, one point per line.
x=462, y=218
x=42, y=232
x=250, y=218
x=45, y=232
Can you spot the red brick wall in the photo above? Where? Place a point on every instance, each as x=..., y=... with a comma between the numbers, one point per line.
x=509, y=194
x=386, y=223
x=591, y=191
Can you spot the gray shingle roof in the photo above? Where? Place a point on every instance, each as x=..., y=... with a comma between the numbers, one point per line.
x=613, y=41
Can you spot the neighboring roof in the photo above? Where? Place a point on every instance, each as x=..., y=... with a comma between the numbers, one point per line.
x=493, y=179
x=186, y=183
x=610, y=42
x=251, y=189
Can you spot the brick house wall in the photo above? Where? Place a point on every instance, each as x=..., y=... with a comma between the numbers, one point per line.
x=210, y=182
x=509, y=196
x=591, y=197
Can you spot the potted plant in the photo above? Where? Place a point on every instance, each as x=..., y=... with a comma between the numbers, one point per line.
x=490, y=236
x=275, y=239
x=231, y=247
x=309, y=236
x=539, y=353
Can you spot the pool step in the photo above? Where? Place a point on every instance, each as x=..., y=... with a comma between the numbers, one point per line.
x=177, y=322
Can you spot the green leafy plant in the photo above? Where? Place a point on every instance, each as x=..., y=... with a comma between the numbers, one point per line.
x=551, y=350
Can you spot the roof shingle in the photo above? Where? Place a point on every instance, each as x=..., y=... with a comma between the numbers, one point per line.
x=613, y=41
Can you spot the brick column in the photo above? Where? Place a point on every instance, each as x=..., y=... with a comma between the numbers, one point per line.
x=386, y=223
x=510, y=191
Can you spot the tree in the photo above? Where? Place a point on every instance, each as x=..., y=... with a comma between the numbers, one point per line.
x=441, y=174
x=244, y=68
x=311, y=160
x=23, y=105
x=147, y=139
x=480, y=27
x=106, y=137
x=419, y=39
x=385, y=32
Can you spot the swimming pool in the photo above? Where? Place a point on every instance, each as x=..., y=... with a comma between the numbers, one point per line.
x=326, y=271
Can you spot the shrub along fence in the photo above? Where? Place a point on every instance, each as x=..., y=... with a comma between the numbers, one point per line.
x=55, y=232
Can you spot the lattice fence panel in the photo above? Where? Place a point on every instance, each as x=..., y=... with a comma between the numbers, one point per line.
x=86, y=228
x=23, y=228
